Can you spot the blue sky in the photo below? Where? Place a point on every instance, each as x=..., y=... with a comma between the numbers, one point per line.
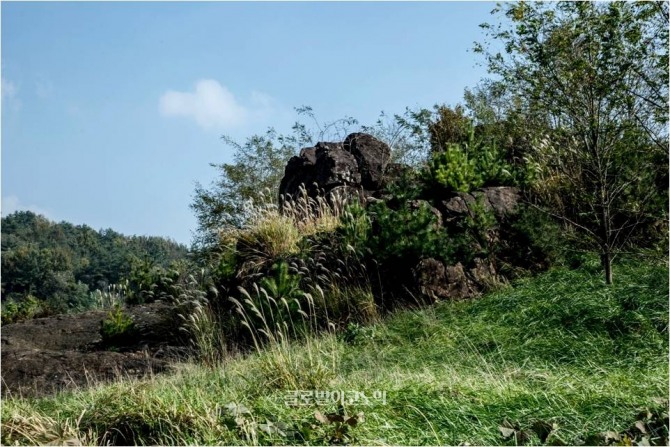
x=112, y=111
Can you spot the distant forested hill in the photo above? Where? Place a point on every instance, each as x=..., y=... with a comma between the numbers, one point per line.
x=60, y=264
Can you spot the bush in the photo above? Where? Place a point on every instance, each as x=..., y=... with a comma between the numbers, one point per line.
x=470, y=165
x=117, y=327
x=27, y=308
x=407, y=234
x=533, y=241
x=453, y=170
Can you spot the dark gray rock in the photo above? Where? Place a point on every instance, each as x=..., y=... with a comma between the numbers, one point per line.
x=335, y=167
x=501, y=200
x=437, y=282
x=484, y=274
x=372, y=156
x=504, y=200
x=299, y=171
x=459, y=286
x=309, y=155
x=357, y=164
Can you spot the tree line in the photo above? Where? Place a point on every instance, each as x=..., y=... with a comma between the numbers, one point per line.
x=57, y=266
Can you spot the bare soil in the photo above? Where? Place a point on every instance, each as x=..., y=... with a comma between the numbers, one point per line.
x=45, y=355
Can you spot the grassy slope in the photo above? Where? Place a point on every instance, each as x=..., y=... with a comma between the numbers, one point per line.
x=562, y=348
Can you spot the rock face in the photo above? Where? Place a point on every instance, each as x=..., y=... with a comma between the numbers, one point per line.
x=335, y=167
x=437, y=282
x=372, y=157
x=357, y=163
x=501, y=200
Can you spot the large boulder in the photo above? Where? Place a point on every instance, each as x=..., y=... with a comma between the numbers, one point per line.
x=335, y=167
x=299, y=171
x=357, y=164
x=320, y=168
x=372, y=156
x=483, y=274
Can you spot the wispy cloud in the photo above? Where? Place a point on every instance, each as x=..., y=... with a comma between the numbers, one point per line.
x=8, y=88
x=11, y=204
x=213, y=106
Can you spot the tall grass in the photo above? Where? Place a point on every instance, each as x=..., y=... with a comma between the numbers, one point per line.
x=275, y=324
x=275, y=230
x=561, y=350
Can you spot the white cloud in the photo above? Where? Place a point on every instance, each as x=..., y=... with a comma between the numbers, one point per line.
x=11, y=204
x=213, y=106
x=8, y=88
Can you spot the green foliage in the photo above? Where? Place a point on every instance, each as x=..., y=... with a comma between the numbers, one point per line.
x=533, y=240
x=283, y=284
x=462, y=167
x=590, y=81
x=27, y=308
x=276, y=304
x=60, y=263
x=453, y=170
x=561, y=357
x=148, y=281
x=117, y=326
x=407, y=233
x=355, y=229
x=480, y=227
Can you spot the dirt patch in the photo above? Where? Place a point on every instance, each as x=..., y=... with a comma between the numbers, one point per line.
x=45, y=355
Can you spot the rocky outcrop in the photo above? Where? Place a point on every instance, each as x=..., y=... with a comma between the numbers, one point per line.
x=359, y=166
x=372, y=156
x=335, y=167
x=503, y=201
x=437, y=282
x=358, y=163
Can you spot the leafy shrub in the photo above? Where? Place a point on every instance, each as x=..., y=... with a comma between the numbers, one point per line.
x=480, y=232
x=148, y=281
x=533, y=241
x=407, y=233
x=117, y=326
x=470, y=165
x=29, y=307
x=453, y=170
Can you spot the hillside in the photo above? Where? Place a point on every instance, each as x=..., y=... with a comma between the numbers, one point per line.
x=50, y=267
x=558, y=359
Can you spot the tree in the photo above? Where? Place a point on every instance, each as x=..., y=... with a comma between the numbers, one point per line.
x=593, y=77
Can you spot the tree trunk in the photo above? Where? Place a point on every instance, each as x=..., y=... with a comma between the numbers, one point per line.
x=606, y=262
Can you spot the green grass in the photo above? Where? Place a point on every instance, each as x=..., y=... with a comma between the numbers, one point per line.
x=562, y=348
